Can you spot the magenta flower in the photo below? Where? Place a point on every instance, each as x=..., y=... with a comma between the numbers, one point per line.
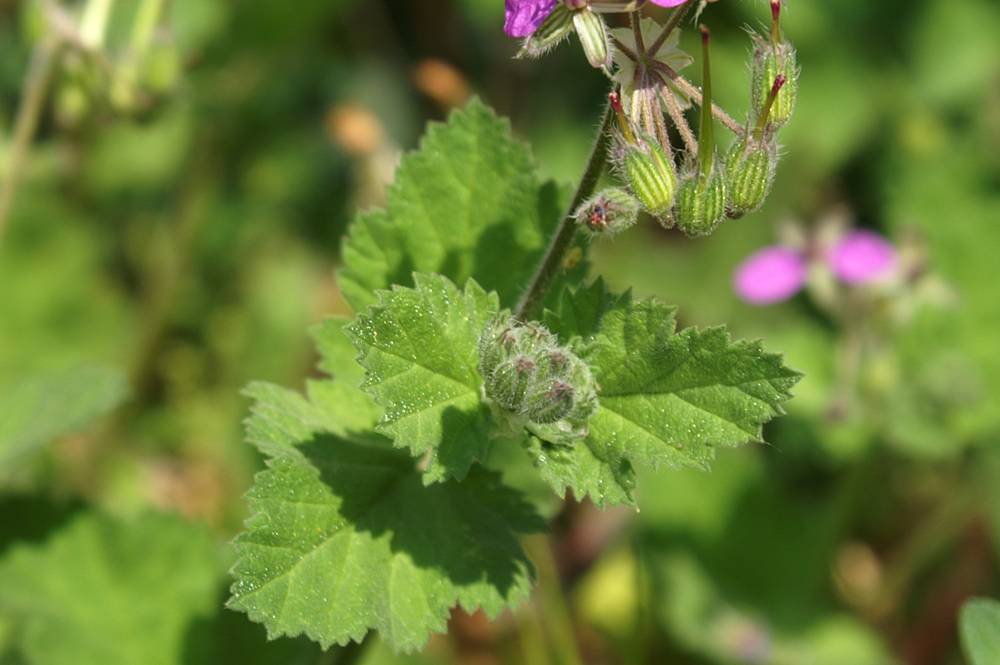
x=770, y=275
x=861, y=257
x=524, y=16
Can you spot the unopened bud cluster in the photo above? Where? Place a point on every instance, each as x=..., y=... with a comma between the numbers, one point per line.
x=531, y=377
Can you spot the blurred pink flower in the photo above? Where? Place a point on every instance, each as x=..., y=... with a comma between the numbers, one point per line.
x=770, y=275
x=861, y=257
x=668, y=3
x=776, y=273
x=524, y=16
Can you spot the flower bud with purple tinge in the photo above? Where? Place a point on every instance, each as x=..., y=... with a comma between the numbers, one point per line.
x=551, y=401
x=529, y=375
x=496, y=344
x=510, y=381
x=611, y=211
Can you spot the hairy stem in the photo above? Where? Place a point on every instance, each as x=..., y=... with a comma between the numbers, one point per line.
x=694, y=93
x=634, y=21
x=624, y=48
x=36, y=83
x=563, y=238
x=677, y=115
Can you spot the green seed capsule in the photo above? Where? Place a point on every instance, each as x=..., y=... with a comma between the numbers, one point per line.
x=770, y=61
x=750, y=165
x=651, y=177
x=701, y=203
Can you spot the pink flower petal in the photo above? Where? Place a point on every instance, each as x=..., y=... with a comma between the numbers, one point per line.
x=861, y=257
x=524, y=16
x=770, y=275
x=668, y=3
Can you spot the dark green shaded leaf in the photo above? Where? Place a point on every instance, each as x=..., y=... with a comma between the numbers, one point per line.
x=345, y=537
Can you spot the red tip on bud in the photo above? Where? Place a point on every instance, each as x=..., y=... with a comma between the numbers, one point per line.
x=779, y=81
x=705, y=34
x=616, y=102
x=616, y=106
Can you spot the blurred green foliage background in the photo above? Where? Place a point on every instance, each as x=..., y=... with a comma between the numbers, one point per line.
x=176, y=231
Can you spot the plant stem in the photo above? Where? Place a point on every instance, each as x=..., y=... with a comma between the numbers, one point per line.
x=564, y=235
x=677, y=115
x=636, y=24
x=555, y=613
x=36, y=83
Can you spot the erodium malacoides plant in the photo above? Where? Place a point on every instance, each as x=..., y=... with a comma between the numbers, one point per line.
x=481, y=349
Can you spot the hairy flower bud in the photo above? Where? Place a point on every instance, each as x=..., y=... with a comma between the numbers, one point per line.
x=510, y=381
x=750, y=164
x=773, y=56
x=650, y=174
x=593, y=36
x=611, y=211
x=552, y=401
x=701, y=202
x=531, y=378
x=556, y=27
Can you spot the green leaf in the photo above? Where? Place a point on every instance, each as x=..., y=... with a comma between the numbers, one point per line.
x=339, y=359
x=585, y=469
x=979, y=624
x=419, y=347
x=337, y=352
x=467, y=204
x=345, y=537
x=104, y=591
x=36, y=410
x=665, y=397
